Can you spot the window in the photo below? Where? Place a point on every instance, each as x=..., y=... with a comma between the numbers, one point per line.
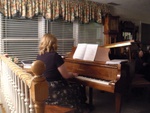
x=64, y=33
x=19, y=37
x=90, y=33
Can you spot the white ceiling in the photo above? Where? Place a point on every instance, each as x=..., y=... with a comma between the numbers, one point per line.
x=134, y=10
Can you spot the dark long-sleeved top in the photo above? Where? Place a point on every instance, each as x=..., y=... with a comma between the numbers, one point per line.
x=52, y=61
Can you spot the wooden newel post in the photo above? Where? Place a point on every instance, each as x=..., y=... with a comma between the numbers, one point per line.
x=39, y=86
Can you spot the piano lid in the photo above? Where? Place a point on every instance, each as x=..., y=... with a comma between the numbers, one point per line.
x=103, y=51
x=119, y=44
x=102, y=54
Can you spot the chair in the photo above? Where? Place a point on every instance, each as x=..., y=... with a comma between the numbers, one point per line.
x=137, y=80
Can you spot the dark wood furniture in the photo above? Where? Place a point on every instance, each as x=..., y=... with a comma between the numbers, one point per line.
x=138, y=80
x=127, y=31
x=113, y=78
x=111, y=28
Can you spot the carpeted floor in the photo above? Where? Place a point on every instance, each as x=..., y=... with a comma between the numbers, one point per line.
x=137, y=102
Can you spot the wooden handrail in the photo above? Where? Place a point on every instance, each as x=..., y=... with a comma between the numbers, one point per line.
x=22, y=74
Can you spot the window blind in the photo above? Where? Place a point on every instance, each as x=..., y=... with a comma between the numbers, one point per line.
x=64, y=33
x=19, y=38
x=91, y=33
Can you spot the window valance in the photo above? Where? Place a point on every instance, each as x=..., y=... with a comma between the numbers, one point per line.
x=69, y=10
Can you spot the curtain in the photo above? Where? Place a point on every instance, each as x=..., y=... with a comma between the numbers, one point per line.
x=69, y=10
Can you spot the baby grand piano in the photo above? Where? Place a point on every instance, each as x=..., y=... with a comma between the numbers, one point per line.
x=113, y=78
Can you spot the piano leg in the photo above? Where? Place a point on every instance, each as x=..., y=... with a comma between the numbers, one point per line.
x=91, y=98
x=118, y=102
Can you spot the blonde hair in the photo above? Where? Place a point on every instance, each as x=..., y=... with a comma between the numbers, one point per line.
x=48, y=43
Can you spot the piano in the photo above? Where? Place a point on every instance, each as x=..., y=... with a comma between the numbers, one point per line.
x=113, y=78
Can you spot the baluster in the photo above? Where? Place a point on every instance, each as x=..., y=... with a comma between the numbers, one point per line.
x=9, y=92
x=16, y=94
x=4, y=87
x=26, y=99
x=19, y=98
x=19, y=92
x=9, y=89
x=15, y=69
x=13, y=92
x=22, y=97
x=4, y=82
x=31, y=106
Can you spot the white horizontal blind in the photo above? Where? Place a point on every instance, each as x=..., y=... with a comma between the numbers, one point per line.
x=64, y=33
x=19, y=38
x=91, y=33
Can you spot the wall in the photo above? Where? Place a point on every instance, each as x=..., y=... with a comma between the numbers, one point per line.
x=135, y=17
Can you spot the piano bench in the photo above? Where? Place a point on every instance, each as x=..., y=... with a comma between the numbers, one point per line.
x=58, y=109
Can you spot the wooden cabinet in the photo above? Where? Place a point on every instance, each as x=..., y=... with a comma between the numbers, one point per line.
x=111, y=28
x=127, y=31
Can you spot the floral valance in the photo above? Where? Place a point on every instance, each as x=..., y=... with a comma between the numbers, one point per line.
x=69, y=10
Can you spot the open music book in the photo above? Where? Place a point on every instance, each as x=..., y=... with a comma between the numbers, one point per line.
x=85, y=51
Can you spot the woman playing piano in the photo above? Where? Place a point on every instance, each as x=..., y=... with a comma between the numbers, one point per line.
x=61, y=92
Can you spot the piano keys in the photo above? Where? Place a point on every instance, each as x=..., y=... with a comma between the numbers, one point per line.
x=113, y=78
x=101, y=82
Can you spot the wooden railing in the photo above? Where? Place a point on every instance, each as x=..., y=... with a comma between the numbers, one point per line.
x=22, y=92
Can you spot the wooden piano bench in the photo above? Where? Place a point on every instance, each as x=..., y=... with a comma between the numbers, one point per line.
x=137, y=86
x=58, y=109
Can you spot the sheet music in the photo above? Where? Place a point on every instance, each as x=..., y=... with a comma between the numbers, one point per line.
x=116, y=61
x=80, y=50
x=85, y=51
x=90, y=52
